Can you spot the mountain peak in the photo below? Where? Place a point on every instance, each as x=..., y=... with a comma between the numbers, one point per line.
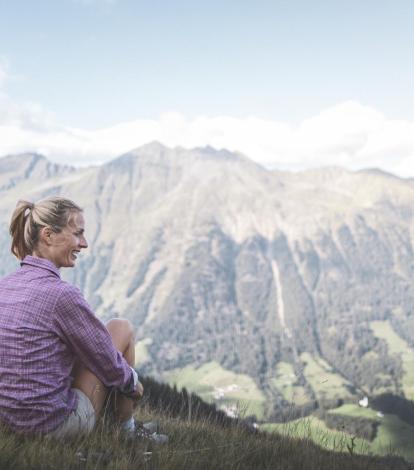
x=157, y=153
x=153, y=147
x=220, y=154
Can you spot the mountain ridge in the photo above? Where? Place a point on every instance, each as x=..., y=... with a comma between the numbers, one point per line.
x=214, y=258
x=208, y=148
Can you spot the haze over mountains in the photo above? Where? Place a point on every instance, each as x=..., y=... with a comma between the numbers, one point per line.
x=286, y=278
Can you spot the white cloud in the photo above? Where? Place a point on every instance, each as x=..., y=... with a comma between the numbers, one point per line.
x=349, y=135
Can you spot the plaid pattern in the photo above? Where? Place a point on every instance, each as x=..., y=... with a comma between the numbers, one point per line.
x=45, y=324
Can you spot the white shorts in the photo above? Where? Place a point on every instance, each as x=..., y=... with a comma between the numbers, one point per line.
x=80, y=421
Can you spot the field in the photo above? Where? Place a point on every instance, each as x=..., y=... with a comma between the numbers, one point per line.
x=314, y=429
x=286, y=382
x=236, y=393
x=226, y=388
x=393, y=436
x=323, y=379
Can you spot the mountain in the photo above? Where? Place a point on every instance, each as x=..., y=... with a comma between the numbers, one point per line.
x=289, y=286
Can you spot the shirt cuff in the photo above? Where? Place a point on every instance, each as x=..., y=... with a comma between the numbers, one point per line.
x=131, y=386
x=135, y=375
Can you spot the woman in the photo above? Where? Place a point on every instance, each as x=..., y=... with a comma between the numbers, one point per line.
x=46, y=325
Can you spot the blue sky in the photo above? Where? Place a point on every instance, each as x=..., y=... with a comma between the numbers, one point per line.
x=92, y=64
x=97, y=63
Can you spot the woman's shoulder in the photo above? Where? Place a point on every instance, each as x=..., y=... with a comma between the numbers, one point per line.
x=68, y=290
x=70, y=297
x=71, y=303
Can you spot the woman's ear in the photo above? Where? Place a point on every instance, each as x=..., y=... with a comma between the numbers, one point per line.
x=46, y=235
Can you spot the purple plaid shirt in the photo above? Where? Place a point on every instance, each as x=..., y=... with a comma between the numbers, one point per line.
x=45, y=324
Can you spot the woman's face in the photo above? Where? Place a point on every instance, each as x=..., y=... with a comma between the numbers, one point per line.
x=68, y=243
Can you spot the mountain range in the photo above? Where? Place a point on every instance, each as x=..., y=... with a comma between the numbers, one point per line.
x=301, y=283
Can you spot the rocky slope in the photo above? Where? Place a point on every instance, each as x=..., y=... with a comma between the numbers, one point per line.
x=214, y=258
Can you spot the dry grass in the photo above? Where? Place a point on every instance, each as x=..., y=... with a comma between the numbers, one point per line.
x=193, y=445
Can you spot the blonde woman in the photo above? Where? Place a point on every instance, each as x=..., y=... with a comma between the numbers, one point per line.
x=46, y=326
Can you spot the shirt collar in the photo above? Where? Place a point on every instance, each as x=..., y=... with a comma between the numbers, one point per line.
x=40, y=263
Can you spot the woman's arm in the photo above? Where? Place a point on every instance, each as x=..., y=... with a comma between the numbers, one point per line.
x=79, y=328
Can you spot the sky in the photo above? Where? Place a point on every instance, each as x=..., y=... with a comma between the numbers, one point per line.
x=292, y=84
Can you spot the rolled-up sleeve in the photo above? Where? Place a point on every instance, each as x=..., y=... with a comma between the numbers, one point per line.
x=87, y=336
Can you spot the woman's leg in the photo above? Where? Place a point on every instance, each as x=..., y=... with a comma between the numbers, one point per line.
x=123, y=407
x=122, y=334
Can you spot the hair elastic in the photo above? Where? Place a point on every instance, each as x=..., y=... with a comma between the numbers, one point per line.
x=29, y=209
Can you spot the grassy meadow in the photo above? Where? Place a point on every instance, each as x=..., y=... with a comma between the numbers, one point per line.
x=392, y=432
x=286, y=383
x=323, y=380
x=194, y=444
x=225, y=388
x=393, y=435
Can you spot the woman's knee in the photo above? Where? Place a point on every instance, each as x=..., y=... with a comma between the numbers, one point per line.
x=121, y=327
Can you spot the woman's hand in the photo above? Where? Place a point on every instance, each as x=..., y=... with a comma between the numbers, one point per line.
x=139, y=391
x=134, y=389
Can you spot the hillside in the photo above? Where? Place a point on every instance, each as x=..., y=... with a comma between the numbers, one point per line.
x=203, y=439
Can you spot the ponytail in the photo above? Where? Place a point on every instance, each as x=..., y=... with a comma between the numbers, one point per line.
x=19, y=227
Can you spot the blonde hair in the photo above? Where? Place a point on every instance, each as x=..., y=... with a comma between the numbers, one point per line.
x=28, y=218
